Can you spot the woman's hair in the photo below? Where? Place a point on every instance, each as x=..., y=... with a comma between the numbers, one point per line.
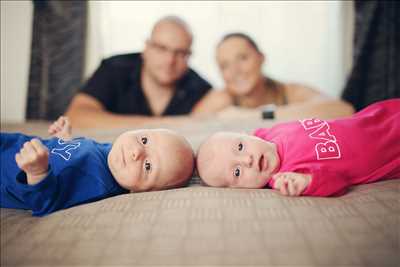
x=243, y=36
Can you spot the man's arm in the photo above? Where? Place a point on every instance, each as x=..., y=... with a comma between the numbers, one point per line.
x=86, y=111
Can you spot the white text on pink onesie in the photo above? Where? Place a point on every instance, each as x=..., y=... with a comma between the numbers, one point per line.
x=319, y=129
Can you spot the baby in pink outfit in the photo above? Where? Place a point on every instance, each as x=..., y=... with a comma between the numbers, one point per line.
x=309, y=157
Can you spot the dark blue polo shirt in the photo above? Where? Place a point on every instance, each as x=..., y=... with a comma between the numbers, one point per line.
x=117, y=85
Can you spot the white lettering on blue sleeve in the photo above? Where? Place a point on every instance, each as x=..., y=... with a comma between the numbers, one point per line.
x=65, y=150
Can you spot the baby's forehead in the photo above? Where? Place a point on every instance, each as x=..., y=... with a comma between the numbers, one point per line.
x=210, y=164
x=225, y=137
x=161, y=135
x=157, y=131
x=217, y=145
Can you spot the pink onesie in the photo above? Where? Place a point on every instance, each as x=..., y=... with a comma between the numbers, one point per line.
x=339, y=153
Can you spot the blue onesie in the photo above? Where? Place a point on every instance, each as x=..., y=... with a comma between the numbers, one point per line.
x=78, y=173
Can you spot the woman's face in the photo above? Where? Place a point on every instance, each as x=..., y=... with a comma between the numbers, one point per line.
x=240, y=65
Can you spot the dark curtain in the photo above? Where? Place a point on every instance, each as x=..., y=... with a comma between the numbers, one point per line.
x=376, y=62
x=57, y=57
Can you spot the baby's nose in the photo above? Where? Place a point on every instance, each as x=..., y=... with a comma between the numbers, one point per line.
x=248, y=160
x=137, y=153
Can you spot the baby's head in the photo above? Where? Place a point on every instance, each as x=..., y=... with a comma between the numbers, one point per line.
x=152, y=159
x=228, y=159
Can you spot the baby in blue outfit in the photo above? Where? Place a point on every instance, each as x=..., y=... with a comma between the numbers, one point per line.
x=45, y=175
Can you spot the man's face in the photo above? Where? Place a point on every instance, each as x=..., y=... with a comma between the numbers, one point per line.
x=166, y=53
x=145, y=160
x=237, y=160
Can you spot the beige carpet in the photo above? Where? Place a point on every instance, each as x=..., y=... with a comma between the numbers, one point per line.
x=205, y=226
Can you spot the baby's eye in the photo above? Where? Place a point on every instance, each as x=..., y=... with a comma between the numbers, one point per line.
x=147, y=166
x=236, y=172
x=144, y=140
x=240, y=146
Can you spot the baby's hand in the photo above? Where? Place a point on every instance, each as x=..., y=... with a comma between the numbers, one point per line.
x=33, y=159
x=61, y=128
x=291, y=183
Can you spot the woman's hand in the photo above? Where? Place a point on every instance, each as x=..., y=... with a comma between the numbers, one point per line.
x=61, y=128
x=33, y=159
x=291, y=183
x=239, y=112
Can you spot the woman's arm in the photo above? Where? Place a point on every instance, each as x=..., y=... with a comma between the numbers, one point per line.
x=214, y=101
x=298, y=93
x=305, y=102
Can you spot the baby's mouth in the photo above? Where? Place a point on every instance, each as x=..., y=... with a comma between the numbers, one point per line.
x=262, y=163
x=123, y=157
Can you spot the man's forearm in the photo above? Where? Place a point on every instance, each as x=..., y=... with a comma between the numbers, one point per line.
x=89, y=118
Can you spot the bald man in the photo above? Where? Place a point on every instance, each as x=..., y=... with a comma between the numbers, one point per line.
x=152, y=86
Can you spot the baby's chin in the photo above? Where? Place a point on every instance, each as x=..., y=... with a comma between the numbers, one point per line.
x=138, y=188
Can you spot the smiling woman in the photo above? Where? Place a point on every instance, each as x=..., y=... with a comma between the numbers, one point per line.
x=247, y=90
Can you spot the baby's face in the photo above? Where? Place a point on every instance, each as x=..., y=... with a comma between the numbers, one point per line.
x=237, y=160
x=154, y=159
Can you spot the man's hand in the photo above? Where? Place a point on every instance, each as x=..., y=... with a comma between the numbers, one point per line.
x=33, y=159
x=291, y=183
x=61, y=128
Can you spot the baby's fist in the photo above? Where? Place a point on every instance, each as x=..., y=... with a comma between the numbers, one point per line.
x=33, y=159
x=61, y=128
x=291, y=183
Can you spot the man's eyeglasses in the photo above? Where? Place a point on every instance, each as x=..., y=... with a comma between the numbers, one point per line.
x=179, y=53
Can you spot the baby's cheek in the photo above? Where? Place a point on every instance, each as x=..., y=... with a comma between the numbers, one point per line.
x=217, y=180
x=136, y=179
x=252, y=179
x=130, y=177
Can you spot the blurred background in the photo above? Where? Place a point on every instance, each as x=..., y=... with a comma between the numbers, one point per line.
x=292, y=34
x=306, y=42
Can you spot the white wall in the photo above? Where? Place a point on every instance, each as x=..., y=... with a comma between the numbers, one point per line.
x=16, y=28
x=304, y=41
